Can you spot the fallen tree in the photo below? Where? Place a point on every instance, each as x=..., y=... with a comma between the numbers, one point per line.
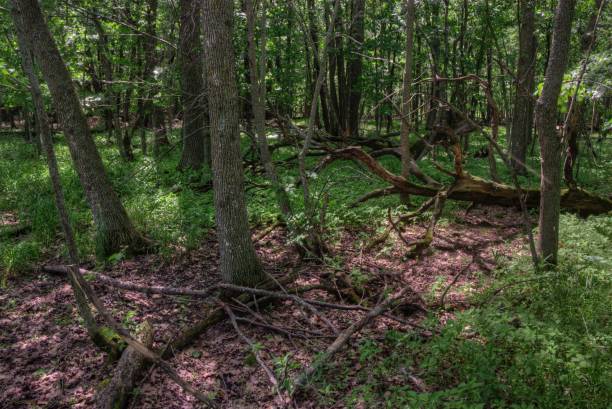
x=127, y=373
x=471, y=188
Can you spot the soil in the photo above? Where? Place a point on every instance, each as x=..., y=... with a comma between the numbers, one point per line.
x=47, y=360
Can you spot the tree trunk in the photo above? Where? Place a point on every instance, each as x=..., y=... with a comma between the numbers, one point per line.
x=111, y=100
x=355, y=66
x=406, y=94
x=550, y=141
x=239, y=263
x=195, y=152
x=522, y=118
x=114, y=228
x=575, y=119
x=257, y=70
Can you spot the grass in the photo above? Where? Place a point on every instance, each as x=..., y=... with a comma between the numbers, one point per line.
x=544, y=343
x=169, y=208
x=540, y=344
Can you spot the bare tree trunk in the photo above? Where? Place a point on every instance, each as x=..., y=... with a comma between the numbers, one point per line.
x=114, y=228
x=196, y=136
x=355, y=66
x=522, y=117
x=45, y=140
x=257, y=69
x=575, y=118
x=239, y=263
x=406, y=95
x=111, y=99
x=550, y=141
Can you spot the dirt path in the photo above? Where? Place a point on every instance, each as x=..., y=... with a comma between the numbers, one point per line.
x=46, y=359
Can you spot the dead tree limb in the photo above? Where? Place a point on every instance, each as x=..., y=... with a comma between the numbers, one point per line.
x=452, y=283
x=255, y=351
x=471, y=188
x=125, y=377
x=302, y=380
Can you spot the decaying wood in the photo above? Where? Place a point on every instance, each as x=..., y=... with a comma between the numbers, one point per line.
x=471, y=188
x=116, y=393
x=76, y=275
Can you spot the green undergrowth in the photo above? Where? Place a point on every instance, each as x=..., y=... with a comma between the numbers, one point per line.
x=542, y=342
x=175, y=209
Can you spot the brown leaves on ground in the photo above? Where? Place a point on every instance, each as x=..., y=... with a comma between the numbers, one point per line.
x=47, y=360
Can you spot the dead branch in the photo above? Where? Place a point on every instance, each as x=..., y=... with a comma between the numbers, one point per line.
x=452, y=283
x=302, y=380
x=254, y=350
x=126, y=374
x=386, y=191
x=474, y=189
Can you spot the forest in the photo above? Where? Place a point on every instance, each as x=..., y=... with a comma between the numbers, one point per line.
x=305, y=204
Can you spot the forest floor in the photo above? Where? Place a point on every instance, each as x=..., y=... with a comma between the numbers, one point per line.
x=47, y=360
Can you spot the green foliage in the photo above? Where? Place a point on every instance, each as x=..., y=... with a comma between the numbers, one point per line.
x=543, y=342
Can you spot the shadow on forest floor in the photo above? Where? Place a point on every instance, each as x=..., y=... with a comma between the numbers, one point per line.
x=47, y=359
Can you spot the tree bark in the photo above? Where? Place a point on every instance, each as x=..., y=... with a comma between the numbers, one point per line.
x=522, y=118
x=406, y=95
x=550, y=141
x=196, y=136
x=239, y=263
x=114, y=228
x=257, y=70
x=355, y=66
x=574, y=122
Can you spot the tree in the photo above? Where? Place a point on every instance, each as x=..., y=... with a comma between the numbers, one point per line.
x=406, y=95
x=196, y=134
x=239, y=263
x=355, y=66
x=113, y=226
x=44, y=134
x=577, y=106
x=257, y=71
x=550, y=141
x=522, y=117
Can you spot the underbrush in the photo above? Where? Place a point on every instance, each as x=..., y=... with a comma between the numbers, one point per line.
x=175, y=209
x=531, y=340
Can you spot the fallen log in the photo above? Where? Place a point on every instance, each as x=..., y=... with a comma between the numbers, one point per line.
x=471, y=188
x=127, y=373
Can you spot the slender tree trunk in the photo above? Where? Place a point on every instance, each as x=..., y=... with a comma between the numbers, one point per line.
x=239, y=263
x=522, y=118
x=110, y=98
x=46, y=142
x=406, y=95
x=550, y=141
x=257, y=69
x=114, y=228
x=355, y=66
x=575, y=120
x=196, y=151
